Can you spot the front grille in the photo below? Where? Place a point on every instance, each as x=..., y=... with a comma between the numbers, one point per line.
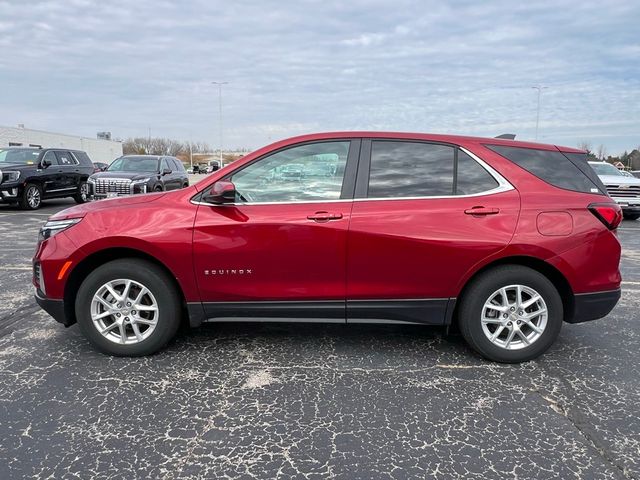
x=120, y=186
x=624, y=191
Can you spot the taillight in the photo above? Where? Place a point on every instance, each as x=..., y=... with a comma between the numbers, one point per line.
x=608, y=213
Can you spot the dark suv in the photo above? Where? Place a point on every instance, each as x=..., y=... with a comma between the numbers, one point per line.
x=29, y=175
x=133, y=174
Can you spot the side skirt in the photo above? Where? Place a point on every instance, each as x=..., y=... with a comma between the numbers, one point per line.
x=423, y=311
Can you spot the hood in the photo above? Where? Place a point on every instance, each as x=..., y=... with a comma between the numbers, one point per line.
x=128, y=175
x=16, y=166
x=619, y=180
x=107, y=204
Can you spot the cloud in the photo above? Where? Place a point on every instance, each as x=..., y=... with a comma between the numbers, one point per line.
x=462, y=67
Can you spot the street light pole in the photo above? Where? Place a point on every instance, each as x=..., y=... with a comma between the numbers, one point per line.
x=220, y=84
x=539, y=88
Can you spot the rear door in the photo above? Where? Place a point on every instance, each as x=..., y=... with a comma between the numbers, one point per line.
x=280, y=249
x=423, y=216
x=69, y=169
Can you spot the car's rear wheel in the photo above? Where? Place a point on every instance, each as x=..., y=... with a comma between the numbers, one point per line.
x=511, y=314
x=128, y=307
x=82, y=195
x=631, y=216
x=31, y=197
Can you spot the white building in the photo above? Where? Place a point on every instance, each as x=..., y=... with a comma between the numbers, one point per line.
x=99, y=150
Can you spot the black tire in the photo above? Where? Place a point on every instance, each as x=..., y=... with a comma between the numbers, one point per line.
x=483, y=287
x=156, y=281
x=185, y=185
x=82, y=195
x=158, y=188
x=631, y=216
x=31, y=197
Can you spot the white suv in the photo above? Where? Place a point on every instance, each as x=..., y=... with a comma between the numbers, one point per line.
x=624, y=189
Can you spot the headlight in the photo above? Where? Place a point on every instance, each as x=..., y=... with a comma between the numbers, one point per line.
x=9, y=176
x=53, y=227
x=91, y=180
x=142, y=180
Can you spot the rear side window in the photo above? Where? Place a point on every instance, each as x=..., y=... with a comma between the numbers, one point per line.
x=472, y=177
x=552, y=167
x=65, y=158
x=410, y=169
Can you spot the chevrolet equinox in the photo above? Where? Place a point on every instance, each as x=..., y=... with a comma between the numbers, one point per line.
x=506, y=239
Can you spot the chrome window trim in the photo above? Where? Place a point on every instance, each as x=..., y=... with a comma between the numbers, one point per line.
x=503, y=186
x=269, y=203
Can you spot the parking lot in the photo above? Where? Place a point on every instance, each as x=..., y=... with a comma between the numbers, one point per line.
x=311, y=401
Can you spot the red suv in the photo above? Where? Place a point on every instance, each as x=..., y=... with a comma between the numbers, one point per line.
x=506, y=239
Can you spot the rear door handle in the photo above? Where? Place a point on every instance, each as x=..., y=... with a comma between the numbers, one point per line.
x=324, y=216
x=480, y=211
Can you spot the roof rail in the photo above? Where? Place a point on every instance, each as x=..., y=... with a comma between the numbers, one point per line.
x=507, y=136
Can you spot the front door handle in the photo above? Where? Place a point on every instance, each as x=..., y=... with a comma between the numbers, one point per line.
x=324, y=216
x=481, y=211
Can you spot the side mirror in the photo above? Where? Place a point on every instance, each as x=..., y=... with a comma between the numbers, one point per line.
x=166, y=171
x=221, y=192
x=46, y=163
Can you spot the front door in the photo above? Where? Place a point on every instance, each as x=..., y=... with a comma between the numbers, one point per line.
x=427, y=214
x=69, y=171
x=280, y=249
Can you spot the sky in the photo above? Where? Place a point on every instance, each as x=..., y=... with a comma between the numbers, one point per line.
x=293, y=67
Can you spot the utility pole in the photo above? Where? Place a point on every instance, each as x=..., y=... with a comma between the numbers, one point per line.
x=220, y=84
x=539, y=88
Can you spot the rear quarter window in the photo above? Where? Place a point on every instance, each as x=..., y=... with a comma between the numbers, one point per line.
x=83, y=158
x=550, y=166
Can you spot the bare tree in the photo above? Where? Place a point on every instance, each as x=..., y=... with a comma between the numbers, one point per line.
x=585, y=145
x=162, y=146
x=602, y=152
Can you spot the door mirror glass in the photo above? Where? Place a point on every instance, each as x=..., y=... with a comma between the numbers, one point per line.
x=221, y=192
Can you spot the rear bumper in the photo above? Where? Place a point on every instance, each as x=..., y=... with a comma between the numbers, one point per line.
x=591, y=306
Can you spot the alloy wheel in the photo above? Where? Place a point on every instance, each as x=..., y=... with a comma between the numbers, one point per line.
x=84, y=191
x=514, y=317
x=124, y=311
x=33, y=197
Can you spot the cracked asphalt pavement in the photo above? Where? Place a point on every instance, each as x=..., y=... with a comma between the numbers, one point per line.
x=311, y=401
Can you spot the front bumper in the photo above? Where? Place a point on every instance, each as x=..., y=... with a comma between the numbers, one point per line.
x=628, y=205
x=9, y=194
x=55, y=308
x=591, y=306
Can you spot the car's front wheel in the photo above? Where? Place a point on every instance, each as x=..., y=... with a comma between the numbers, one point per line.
x=128, y=307
x=511, y=314
x=31, y=197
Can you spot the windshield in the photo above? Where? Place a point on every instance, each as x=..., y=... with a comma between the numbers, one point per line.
x=605, y=169
x=134, y=164
x=24, y=156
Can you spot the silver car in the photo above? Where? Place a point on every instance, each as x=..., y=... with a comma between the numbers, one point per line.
x=624, y=189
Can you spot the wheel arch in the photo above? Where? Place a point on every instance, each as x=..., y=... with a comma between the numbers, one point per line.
x=552, y=273
x=96, y=259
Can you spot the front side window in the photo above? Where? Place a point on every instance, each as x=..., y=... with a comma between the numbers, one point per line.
x=312, y=172
x=410, y=169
